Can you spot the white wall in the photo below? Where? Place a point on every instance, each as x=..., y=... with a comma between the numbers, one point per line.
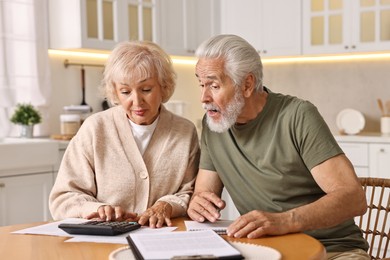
x=331, y=86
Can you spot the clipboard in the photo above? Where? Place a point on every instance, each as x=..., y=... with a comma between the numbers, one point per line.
x=181, y=245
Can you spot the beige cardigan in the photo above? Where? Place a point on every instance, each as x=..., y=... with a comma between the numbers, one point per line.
x=102, y=165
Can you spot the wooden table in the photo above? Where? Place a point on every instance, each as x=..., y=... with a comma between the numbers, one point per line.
x=36, y=247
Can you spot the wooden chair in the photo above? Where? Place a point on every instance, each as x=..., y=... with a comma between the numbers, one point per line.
x=375, y=223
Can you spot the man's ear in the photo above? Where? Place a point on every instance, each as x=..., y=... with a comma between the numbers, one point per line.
x=249, y=85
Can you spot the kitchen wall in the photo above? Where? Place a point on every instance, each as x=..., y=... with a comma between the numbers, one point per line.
x=331, y=86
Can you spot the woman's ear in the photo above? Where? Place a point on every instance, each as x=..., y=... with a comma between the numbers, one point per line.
x=249, y=85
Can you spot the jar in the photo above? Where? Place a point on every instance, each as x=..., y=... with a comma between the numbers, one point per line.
x=70, y=124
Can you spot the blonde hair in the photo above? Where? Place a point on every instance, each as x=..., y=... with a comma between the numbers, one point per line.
x=135, y=60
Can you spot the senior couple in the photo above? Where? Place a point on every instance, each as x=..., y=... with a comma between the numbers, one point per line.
x=273, y=153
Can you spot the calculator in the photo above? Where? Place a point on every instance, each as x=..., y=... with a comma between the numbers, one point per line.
x=102, y=228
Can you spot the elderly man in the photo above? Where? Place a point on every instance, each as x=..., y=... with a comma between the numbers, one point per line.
x=274, y=154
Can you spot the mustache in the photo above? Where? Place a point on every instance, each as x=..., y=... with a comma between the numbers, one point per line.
x=210, y=107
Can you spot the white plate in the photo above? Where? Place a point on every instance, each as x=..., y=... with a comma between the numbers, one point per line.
x=350, y=121
x=249, y=251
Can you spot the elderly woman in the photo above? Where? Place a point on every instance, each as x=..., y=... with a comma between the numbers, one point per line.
x=136, y=160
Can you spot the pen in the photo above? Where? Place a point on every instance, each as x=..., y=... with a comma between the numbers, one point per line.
x=193, y=257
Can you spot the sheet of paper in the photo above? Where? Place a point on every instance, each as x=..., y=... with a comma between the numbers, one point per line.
x=120, y=239
x=52, y=229
x=219, y=226
x=182, y=243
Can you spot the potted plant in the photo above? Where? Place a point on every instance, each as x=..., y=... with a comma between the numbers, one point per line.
x=26, y=116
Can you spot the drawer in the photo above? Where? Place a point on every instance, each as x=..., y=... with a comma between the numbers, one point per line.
x=357, y=153
x=362, y=171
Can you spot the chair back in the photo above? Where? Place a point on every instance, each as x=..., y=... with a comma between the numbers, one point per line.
x=375, y=223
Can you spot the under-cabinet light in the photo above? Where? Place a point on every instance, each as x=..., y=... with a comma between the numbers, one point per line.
x=192, y=60
x=328, y=58
x=80, y=54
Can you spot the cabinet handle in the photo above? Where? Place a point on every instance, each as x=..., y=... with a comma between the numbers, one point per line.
x=346, y=47
x=2, y=185
x=382, y=150
x=353, y=47
x=264, y=51
x=191, y=51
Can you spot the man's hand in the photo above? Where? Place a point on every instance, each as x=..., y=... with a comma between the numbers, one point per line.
x=112, y=213
x=157, y=215
x=205, y=205
x=258, y=223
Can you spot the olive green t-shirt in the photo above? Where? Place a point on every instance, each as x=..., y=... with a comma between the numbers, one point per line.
x=265, y=164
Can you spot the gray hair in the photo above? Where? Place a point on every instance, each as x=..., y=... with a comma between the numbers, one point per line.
x=240, y=57
x=135, y=60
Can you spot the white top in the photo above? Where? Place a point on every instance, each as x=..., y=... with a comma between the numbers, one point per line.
x=142, y=134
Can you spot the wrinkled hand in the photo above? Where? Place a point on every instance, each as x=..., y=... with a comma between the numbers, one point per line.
x=205, y=205
x=157, y=215
x=112, y=213
x=258, y=223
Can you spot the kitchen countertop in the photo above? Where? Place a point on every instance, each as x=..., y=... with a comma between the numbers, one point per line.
x=62, y=144
x=28, y=155
x=371, y=137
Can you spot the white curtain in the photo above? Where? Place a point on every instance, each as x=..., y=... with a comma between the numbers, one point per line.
x=24, y=61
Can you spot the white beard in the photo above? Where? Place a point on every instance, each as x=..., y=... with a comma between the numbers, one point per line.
x=229, y=117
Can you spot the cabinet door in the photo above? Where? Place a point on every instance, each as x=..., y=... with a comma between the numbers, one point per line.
x=379, y=160
x=357, y=153
x=202, y=22
x=372, y=19
x=171, y=25
x=91, y=24
x=326, y=26
x=243, y=19
x=138, y=19
x=25, y=198
x=344, y=26
x=280, y=27
x=100, y=24
x=184, y=24
x=99, y=21
x=273, y=27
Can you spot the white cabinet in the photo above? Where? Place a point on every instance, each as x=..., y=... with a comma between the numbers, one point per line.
x=273, y=27
x=357, y=153
x=380, y=160
x=26, y=178
x=184, y=24
x=24, y=198
x=100, y=24
x=369, y=154
x=340, y=26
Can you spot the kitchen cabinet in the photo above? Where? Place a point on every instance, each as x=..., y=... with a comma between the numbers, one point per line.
x=100, y=24
x=26, y=178
x=343, y=26
x=61, y=151
x=273, y=27
x=184, y=24
x=380, y=159
x=369, y=154
x=24, y=198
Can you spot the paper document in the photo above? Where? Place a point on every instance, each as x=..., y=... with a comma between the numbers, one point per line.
x=119, y=239
x=220, y=226
x=181, y=243
x=52, y=229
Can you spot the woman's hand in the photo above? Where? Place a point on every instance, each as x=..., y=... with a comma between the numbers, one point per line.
x=112, y=213
x=157, y=215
